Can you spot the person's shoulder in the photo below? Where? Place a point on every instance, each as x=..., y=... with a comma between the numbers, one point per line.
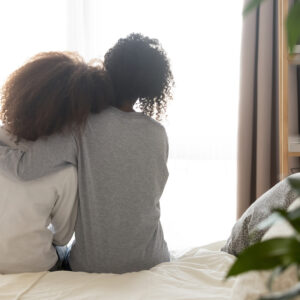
x=154, y=122
x=158, y=127
x=48, y=185
x=111, y=114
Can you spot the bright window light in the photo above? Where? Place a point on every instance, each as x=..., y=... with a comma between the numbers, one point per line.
x=202, y=39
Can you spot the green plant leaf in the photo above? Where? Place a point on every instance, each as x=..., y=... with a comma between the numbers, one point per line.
x=293, y=27
x=251, y=5
x=267, y=255
x=294, y=182
x=268, y=222
x=263, y=226
x=292, y=217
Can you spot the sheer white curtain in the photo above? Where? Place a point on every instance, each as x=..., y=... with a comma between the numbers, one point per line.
x=28, y=27
x=202, y=39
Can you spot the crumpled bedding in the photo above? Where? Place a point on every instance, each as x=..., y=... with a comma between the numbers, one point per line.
x=196, y=274
x=252, y=285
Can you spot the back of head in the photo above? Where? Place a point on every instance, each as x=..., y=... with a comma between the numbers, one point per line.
x=140, y=70
x=51, y=93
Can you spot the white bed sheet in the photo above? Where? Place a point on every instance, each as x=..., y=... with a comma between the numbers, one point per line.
x=196, y=274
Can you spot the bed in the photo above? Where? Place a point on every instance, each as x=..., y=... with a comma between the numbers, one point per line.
x=195, y=274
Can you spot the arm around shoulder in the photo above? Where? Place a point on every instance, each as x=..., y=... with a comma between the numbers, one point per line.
x=42, y=157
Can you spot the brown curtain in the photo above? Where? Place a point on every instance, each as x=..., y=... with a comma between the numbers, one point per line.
x=258, y=137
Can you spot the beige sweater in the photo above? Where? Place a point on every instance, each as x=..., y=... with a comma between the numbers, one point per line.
x=26, y=211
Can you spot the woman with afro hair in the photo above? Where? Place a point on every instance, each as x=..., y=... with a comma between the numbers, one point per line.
x=51, y=93
x=121, y=157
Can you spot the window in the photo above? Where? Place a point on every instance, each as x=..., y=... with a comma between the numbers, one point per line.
x=202, y=39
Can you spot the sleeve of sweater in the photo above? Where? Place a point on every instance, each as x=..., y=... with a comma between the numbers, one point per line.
x=64, y=213
x=45, y=156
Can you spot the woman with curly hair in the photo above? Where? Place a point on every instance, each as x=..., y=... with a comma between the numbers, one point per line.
x=51, y=94
x=140, y=73
x=121, y=157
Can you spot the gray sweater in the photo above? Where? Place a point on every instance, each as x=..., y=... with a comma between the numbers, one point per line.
x=122, y=170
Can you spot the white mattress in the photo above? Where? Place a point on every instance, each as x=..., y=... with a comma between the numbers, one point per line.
x=197, y=274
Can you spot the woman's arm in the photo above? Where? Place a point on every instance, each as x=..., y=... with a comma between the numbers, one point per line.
x=64, y=212
x=42, y=157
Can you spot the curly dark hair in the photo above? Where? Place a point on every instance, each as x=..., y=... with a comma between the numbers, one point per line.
x=140, y=70
x=51, y=93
